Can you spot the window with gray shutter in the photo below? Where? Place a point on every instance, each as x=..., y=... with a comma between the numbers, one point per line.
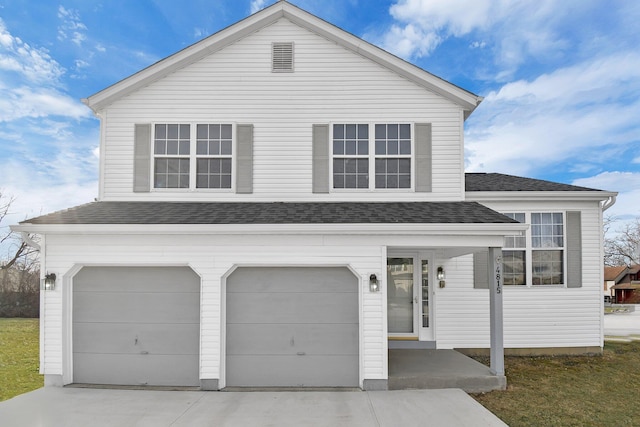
x=244, y=168
x=423, y=157
x=481, y=270
x=320, y=163
x=142, y=158
x=574, y=250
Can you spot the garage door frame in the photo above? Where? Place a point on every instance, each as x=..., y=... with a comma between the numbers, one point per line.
x=67, y=318
x=223, y=311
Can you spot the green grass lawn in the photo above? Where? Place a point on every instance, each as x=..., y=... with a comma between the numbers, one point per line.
x=19, y=357
x=570, y=391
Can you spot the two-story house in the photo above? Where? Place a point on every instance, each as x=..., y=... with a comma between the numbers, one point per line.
x=282, y=202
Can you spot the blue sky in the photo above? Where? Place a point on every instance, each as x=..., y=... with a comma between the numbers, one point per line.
x=561, y=81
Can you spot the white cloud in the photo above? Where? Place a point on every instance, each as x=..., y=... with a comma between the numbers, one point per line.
x=71, y=27
x=514, y=30
x=34, y=64
x=257, y=5
x=627, y=184
x=578, y=118
x=17, y=103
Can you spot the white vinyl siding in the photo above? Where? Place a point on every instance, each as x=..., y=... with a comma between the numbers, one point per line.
x=236, y=85
x=534, y=317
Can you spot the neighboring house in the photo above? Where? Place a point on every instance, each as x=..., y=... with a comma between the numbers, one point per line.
x=282, y=202
x=625, y=284
x=611, y=274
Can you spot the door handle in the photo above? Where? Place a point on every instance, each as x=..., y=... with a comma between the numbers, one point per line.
x=301, y=353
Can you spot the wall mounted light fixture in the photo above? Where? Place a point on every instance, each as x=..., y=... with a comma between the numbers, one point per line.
x=440, y=276
x=374, y=285
x=49, y=282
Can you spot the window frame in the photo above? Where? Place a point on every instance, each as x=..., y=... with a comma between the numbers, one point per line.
x=530, y=249
x=193, y=157
x=371, y=157
x=516, y=248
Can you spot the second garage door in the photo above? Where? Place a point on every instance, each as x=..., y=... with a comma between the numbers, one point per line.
x=292, y=327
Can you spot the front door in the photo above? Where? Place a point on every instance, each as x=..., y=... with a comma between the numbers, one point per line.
x=409, y=299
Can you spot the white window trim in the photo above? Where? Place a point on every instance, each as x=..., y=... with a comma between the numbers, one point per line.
x=372, y=158
x=193, y=157
x=529, y=251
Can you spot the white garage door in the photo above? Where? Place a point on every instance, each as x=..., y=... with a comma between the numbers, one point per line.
x=136, y=326
x=292, y=327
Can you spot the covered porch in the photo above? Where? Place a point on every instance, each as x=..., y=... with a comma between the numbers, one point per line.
x=413, y=369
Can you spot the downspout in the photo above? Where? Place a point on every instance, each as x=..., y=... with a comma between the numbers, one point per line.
x=27, y=239
x=610, y=202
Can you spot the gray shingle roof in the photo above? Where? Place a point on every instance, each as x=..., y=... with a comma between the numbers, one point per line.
x=274, y=213
x=502, y=182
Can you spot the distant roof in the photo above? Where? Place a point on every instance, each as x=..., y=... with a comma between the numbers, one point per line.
x=634, y=285
x=274, y=213
x=612, y=273
x=476, y=181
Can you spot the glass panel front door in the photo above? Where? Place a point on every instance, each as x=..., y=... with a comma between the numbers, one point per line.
x=400, y=295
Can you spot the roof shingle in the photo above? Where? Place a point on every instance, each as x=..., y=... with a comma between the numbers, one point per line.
x=501, y=182
x=274, y=213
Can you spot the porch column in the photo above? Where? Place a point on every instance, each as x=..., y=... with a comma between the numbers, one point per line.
x=495, y=311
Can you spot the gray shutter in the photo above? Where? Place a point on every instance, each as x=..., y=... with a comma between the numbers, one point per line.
x=574, y=250
x=142, y=158
x=244, y=159
x=320, y=167
x=423, y=157
x=481, y=270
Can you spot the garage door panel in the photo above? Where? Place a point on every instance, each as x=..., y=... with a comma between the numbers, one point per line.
x=296, y=327
x=137, y=279
x=136, y=307
x=270, y=339
x=132, y=369
x=293, y=371
x=136, y=325
x=291, y=308
x=124, y=338
x=292, y=279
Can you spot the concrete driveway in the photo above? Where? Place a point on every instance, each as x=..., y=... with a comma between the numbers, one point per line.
x=68, y=407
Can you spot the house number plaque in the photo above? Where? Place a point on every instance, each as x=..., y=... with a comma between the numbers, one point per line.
x=498, y=274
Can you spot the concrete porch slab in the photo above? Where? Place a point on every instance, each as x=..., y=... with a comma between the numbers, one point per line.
x=438, y=369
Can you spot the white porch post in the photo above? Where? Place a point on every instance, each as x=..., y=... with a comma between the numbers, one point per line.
x=495, y=311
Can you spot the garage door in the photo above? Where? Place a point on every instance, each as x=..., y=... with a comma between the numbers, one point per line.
x=136, y=326
x=292, y=327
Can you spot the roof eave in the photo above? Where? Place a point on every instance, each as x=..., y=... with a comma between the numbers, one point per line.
x=480, y=229
x=465, y=99
x=486, y=196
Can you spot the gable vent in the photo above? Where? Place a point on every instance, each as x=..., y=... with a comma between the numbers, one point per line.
x=282, y=57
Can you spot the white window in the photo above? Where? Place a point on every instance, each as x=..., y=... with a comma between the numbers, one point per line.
x=537, y=258
x=171, y=149
x=393, y=156
x=352, y=159
x=547, y=241
x=350, y=156
x=186, y=159
x=514, y=255
x=214, y=145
